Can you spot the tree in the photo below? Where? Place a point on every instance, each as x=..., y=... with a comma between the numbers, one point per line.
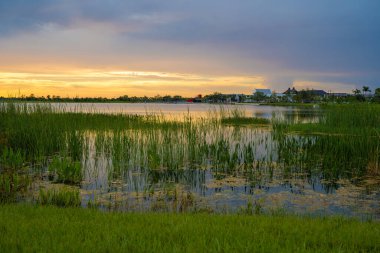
x=216, y=97
x=376, y=98
x=124, y=98
x=166, y=98
x=366, y=89
x=358, y=95
x=259, y=96
x=304, y=96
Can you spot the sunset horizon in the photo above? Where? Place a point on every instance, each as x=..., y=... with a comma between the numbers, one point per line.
x=145, y=48
x=189, y=126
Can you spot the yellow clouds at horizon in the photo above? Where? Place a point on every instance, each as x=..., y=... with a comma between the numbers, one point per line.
x=116, y=83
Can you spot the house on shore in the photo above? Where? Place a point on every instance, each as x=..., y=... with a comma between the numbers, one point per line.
x=290, y=92
x=318, y=93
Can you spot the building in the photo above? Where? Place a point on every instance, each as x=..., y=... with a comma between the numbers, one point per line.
x=319, y=93
x=265, y=92
x=235, y=97
x=290, y=92
x=338, y=94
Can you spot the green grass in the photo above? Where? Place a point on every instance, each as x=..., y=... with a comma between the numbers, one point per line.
x=356, y=119
x=66, y=171
x=148, y=141
x=245, y=121
x=290, y=104
x=238, y=116
x=344, y=143
x=62, y=197
x=14, y=177
x=50, y=229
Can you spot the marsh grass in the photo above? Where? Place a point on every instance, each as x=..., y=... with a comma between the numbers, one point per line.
x=14, y=177
x=238, y=116
x=354, y=120
x=74, y=144
x=63, y=197
x=245, y=121
x=344, y=143
x=41, y=130
x=65, y=170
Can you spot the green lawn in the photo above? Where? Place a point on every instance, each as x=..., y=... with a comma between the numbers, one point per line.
x=49, y=229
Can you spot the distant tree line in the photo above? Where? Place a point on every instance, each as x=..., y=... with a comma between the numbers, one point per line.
x=302, y=96
x=125, y=98
x=308, y=96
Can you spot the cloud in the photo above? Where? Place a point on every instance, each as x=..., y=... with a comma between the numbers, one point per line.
x=30, y=16
x=116, y=83
x=283, y=41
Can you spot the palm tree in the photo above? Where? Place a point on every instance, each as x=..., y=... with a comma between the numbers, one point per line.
x=356, y=91
x=366, y=89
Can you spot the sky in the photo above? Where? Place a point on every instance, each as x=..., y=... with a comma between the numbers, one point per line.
x=111, y=48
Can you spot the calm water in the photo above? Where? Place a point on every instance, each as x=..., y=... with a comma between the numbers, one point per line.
x=195, y=109
x=118, y=170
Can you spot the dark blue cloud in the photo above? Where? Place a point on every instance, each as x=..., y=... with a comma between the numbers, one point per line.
x=306, y=35
x=23, y=15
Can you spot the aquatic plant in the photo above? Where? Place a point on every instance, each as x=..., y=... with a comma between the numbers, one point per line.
x=14, y=177
x=245, y=121
x=66, y=170
x=64, y=197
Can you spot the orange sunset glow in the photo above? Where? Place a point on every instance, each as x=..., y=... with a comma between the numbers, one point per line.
x=96, y=83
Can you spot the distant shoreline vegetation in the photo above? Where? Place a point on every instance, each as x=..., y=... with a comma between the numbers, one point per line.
x=301, y=97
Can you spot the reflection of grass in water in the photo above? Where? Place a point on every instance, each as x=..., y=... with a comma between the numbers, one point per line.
x=78, y=230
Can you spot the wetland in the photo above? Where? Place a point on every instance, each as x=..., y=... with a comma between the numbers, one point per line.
x=318, y=161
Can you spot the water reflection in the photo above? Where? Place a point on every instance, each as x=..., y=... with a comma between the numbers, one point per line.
x=225, y=169
x=302, y=114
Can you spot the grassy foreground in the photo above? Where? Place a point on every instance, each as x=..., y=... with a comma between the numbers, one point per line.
x=51, y=229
